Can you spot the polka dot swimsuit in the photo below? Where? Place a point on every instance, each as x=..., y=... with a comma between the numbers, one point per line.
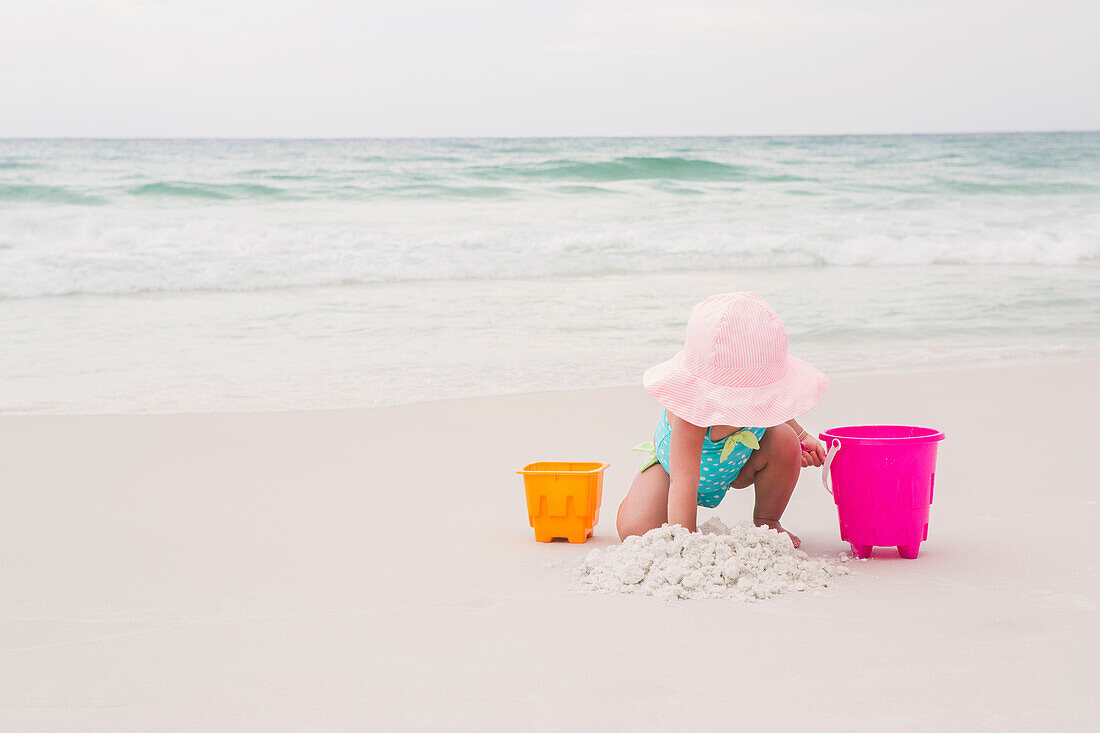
x=715, y=475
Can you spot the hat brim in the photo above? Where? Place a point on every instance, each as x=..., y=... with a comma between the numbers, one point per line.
x=704, y=403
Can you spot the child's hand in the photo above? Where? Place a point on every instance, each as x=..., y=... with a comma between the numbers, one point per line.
x=813, y=452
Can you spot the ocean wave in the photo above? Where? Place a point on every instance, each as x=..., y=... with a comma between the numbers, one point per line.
x=621, y=169
x=26, y=193
x=201, y=215
x=1031, y=188
x=223, y=191
x=208, y=255
x=442, y=191
x=278, y=175
x=585, y=190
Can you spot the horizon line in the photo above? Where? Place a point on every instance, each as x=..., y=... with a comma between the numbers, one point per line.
x=1063, y=131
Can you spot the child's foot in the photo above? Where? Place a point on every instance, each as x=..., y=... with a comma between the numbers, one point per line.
x=774, y=524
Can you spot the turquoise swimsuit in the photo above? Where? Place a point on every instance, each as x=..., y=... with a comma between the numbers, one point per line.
x=719, y=463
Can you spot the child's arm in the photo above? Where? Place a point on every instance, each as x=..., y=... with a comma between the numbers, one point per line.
x=685, y=452
x=813, y=452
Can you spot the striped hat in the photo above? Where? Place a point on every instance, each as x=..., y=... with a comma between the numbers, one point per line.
x=734, y=368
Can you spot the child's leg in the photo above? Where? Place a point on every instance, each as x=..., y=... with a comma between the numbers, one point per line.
x=774, y=469
x=646, y=504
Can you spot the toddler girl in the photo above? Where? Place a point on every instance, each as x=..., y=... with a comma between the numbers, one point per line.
x=733, y=372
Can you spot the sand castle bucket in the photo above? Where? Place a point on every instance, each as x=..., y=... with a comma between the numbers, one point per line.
x=882, y=478
x=563, y=498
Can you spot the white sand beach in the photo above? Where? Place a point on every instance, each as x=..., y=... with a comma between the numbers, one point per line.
x=373, y=570
x=290, y=293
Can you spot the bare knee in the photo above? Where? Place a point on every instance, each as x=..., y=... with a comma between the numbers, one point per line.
x=646, y=504
x=633, y=520
x=627, y=528
x=781, y=442
x=628, y=523
x=780, y=446
x=622, y=524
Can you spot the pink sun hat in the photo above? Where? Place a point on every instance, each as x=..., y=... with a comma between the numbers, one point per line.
x=734, y=368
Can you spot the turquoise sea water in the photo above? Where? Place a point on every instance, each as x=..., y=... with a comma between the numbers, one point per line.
x=177, y=275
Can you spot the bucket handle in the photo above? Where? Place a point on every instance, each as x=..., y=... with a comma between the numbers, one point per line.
x=833, y=450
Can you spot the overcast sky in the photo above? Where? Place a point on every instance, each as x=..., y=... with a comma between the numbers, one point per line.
x=330, y=68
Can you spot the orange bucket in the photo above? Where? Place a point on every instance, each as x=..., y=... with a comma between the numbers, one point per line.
x=563, y=498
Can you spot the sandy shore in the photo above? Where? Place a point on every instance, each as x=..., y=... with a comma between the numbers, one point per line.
x=374, y=570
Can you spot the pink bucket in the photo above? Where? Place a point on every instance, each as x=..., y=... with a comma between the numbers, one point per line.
x=882, y=478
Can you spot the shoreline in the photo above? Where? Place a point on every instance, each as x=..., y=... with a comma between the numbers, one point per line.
x=552, y=278
x=366, y=347
x=1083, y=358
